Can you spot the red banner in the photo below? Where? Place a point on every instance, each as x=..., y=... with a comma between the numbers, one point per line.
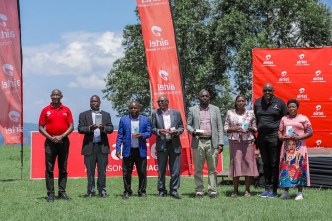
x=11, y=117
x=76, y=167
x=304, y=74
x=162, y=61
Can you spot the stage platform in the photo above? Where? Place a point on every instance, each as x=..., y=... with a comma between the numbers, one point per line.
x=320, y=166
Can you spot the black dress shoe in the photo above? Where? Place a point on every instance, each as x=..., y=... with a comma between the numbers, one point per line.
x=142, y=195
x=90, y=195
x=103, y=195
x=175, y=195
x=125, y=195
x=63, y=196
x=162, y=193
x=50, y=198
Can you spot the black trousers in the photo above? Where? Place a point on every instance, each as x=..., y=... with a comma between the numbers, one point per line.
x=53, y=151
x=99, y=159
x=174, y=166
x=269, y=146
x=127, y=169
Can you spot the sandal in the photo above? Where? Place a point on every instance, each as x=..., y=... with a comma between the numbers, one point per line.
x=247, y=194
x=234, y=194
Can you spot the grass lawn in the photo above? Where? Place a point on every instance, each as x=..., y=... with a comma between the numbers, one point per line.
x=25, y=200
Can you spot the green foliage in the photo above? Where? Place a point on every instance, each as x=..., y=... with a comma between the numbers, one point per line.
x=215, y=39
x=244, y=25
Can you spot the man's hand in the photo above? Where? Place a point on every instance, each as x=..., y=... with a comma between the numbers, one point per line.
x=163, y=131
x=137, y=135
x=93, y=127
x=220, y=148
x=118, y=155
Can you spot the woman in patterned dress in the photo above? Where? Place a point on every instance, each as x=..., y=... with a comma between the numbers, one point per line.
x=294, y=128
x=240, y=126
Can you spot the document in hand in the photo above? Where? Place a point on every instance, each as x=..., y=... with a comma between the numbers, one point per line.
x=98, y=119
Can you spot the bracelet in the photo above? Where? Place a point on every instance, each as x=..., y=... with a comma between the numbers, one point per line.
x=62, y=136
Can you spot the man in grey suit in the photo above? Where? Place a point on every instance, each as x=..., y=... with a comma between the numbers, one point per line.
x=167, y=126
x=95, y=125
x=204, y=124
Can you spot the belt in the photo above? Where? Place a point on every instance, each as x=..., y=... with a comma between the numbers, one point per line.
x=97, y=143
x=205, y=138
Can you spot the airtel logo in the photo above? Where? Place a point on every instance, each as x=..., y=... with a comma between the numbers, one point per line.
x=14, y=116
x=3, y=20
x=163, y=74
x=8, y=69
x=318, y=142
x=156, y=30
x=318, y=72
x=268, y=57
x=301, y=56
x=284, y=73
x=318, y=107
x=302, y=90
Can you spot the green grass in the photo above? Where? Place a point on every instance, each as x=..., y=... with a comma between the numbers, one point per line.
x=25, y=200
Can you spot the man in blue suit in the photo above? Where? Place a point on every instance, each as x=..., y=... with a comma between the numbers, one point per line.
x=133, y=131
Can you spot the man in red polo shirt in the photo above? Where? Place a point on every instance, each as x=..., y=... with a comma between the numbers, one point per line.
x=56, y=123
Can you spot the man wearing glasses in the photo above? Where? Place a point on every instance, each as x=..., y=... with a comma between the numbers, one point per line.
x=167, y=126
x=269, y=110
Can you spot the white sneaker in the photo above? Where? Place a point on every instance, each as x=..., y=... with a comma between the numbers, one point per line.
x=299, y=196
x=285, y=196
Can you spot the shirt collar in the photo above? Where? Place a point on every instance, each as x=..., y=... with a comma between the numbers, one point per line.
x=60, y=106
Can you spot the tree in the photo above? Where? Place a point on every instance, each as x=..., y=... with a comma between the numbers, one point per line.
x=215, y=39
x=244, y=25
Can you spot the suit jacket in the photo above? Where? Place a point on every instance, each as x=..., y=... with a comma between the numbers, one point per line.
x=84, y=123
x=158, y=123
x=216, y=125
x=124, y=135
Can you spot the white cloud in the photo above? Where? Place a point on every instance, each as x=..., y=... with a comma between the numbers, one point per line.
x=88, y=82
x=79, y=54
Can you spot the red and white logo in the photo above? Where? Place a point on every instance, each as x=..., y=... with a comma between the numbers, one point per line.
x=318, y=107
x=14, y=116
x=3, y=20
x=163, y=74
x=302, y=95
x=8, y=69
x=156, y=30
x=317, y=77
x=284, y=79
x=302, y=61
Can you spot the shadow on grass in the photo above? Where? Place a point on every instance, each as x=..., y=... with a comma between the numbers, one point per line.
x=9, y=180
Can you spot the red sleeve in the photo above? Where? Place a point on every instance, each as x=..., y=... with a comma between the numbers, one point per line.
x=70, y=117
x=42, y=118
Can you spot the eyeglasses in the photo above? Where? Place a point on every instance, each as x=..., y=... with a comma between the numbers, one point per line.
x=267, y=90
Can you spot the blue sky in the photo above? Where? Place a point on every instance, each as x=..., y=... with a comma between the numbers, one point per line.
x=71, y=45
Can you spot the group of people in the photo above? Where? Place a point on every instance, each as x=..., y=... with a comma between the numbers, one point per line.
x=282, y=132
x=204, y=123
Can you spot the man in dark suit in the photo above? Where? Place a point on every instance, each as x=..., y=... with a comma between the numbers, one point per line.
x=167, y=126
x=133, y=131
x=95, y=125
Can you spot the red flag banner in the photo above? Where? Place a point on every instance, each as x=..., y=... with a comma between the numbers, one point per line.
x=11, y=73
x=162, y=61
x=304, y=74
x=163, y=64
